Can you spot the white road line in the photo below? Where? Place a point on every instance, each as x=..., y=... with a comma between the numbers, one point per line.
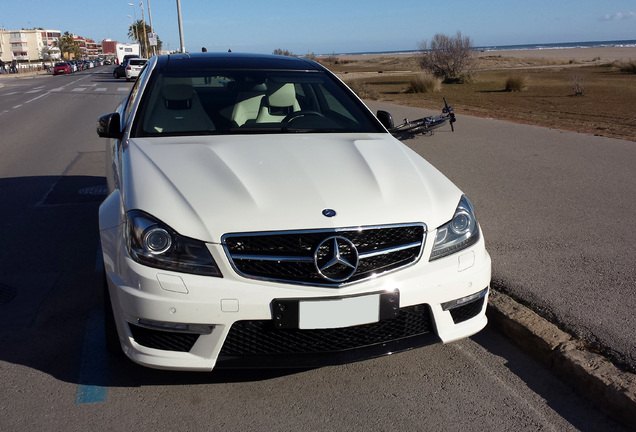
x=101, y=89
x=37, y=97
x=79, y=89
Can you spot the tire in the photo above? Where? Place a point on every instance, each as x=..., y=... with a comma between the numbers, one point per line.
x=115, y=75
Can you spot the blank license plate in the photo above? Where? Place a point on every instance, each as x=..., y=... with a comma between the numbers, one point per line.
x=336, y=313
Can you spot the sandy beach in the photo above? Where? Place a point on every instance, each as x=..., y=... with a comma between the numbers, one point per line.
x=604, y=54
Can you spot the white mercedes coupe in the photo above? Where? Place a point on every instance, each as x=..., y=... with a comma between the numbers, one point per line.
x=259, y=215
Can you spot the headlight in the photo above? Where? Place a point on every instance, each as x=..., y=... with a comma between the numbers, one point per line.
x=151, y=242
x=461, y=232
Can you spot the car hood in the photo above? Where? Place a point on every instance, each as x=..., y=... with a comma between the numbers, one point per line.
x=207, y=186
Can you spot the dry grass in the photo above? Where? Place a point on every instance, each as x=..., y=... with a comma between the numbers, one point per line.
x=607, y=108
x=363, y=89
x=424, y=83
x=627, y=67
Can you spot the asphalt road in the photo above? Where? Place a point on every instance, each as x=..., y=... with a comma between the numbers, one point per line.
x=55, y=375
x=557, y=210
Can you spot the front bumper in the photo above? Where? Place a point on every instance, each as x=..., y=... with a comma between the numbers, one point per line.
x=179, y=321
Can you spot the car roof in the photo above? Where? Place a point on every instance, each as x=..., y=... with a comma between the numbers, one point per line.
x=234, y=61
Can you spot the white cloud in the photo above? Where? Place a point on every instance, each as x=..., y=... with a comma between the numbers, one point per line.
x=619, y=16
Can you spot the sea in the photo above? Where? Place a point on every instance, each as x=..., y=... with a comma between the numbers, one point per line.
x=562, y=45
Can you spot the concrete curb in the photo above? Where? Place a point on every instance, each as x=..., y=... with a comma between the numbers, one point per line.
x=588, y=373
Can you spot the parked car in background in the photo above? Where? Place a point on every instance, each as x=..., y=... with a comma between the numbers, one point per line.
x=120, y=71
x=259, y=215
x=61, y=68
x=134, y=67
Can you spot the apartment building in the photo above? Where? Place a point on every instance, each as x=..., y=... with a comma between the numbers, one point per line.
x=37, y=44
x=89, y=48
x=28, y=45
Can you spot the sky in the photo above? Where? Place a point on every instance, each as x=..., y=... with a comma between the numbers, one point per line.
x=331, y=26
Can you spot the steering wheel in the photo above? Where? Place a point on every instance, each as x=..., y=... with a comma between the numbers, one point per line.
x=301, y=113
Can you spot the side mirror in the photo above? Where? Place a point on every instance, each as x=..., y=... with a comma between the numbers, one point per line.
x=386, y=119
x=109, y=126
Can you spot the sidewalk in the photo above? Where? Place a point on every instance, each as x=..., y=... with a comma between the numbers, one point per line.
x=24, y=74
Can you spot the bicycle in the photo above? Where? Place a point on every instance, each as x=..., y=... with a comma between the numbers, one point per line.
x=425, y=125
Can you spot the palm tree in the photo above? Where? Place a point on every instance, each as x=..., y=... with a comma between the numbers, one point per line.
x=136, y=32
x=67, y=45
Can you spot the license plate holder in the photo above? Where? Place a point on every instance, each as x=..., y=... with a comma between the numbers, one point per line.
x=335, y=312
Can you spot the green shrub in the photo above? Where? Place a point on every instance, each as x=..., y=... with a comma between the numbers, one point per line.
x=516, y=83
x=424, y=83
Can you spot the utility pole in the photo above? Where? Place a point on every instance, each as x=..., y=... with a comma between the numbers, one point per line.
x=180, y=26
x=151, y=30
x=143, y=21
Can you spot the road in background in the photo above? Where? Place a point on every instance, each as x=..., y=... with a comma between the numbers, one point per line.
x=556, y=208
x=57, y=376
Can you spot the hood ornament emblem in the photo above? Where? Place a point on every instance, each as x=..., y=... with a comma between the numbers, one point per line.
x=329, y=213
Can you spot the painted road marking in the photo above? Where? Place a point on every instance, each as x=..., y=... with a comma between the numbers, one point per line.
x=94, y=370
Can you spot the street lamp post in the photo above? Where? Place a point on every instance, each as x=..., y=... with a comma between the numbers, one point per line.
x=135, y=23
x=132, y=24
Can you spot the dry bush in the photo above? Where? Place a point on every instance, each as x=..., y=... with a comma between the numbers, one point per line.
x=333, y=59
x=516, y=83
x=627, y=67
x=283, y=52
x=424, y=83
x=363, y=90
x=578, y=84
x=449, y=58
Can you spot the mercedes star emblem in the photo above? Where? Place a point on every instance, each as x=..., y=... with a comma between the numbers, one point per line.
x=336, y=259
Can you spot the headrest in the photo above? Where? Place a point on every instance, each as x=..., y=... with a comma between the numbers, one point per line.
x=285, y=96
x=177, y=92
x=178, y=96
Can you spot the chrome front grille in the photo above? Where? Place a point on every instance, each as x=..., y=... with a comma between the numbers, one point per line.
x=329, y=257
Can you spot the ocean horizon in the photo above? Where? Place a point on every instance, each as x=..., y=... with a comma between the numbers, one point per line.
x=561, y=45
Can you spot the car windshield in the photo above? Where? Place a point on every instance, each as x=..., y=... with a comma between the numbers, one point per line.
x=137, y=62
x=249, y=101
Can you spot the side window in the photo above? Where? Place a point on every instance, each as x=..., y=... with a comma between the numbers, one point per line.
x=132, y=97
x=130, y=102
